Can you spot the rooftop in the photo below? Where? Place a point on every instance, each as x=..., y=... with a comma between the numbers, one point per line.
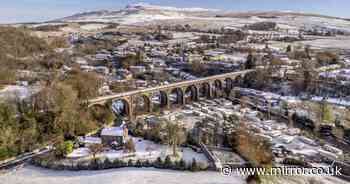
x=112, y=131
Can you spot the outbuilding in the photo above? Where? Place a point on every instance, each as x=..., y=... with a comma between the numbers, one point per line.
x=114, y=134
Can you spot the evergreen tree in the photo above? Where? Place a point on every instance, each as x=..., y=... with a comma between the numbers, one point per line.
x=147, y=164
x=130, y=163
x=251, y=61
x=117, y=163
x=182, y=164
x=138, y=163
x=158, y=163
x=107, y=164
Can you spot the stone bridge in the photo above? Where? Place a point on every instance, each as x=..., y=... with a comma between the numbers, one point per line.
x=164, y=97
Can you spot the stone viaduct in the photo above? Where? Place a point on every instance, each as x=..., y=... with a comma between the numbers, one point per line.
x=164, y=97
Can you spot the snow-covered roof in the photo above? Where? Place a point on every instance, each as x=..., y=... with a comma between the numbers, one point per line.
x=112, y=131
x=81, y=61
x=91, y=140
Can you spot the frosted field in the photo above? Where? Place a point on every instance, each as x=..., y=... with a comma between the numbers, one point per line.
x=93, y=27
x=144, y=150
x=34, y=175
x=339, y=42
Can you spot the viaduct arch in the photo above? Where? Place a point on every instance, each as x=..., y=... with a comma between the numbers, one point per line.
x=138, y=102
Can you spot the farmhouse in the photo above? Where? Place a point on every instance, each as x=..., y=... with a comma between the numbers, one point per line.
x=113, y=135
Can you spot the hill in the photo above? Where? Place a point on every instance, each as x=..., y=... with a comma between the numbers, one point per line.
x=143, y=14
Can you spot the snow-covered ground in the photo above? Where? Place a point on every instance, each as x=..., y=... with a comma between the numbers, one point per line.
x=79, y=152
x=14, y=91
x=34, y=175
x=93, y=27
x=336, y=101
x=295, y=99
x=144, y=150
x=339, y=42
x=168, y=8
x=144, y=13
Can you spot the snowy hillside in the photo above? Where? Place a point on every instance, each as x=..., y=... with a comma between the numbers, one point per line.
x=138, y=13
x=142, y=14
x=167, y=8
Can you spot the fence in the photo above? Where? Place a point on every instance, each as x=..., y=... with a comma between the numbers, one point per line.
x=216, y=162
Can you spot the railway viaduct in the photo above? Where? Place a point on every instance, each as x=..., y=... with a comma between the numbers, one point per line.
x=164, y=97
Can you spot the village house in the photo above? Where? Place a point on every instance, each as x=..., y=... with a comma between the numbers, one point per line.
x=123, y=74
x=87, y=141
x=136, y=70
x=102, y=70
x=114, y=135
x=141, y=83
x=81, y=61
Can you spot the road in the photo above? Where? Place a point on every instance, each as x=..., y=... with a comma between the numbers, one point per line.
x=23, y=158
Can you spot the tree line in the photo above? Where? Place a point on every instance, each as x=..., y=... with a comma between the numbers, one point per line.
x=55, y=114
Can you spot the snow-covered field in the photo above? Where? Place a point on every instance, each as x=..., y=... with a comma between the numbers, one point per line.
x=144, y=150
x=143, y=13
x=340, y=42
x=34, y=175
x=93, y=27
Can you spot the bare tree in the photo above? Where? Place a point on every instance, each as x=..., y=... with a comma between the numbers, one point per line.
x=244, y=101
x=95, y=149
x=130, y=146
x=175, y=135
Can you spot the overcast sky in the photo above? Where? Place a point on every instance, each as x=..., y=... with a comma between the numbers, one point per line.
x=43, y=10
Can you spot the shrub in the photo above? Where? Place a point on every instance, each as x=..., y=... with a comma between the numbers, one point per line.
x=64, y=148
x=194, y=166
x=57, y=166
x=138, y=163
x=253, y=179
x=107, y=164
x=130, y=163
x=81, y=166
x=203, y=166
x=116, y=163
x=327, y=58
x=147, y=164
x=69, y=145
x=158, y=163
x=130, y=146
x=293, y=161
x=182, y=164
x=167, y=162
x=98, y=164
x=6, y=153
x=123, y=164
x=119, y=163
x=7, y=76
x=95, y=164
